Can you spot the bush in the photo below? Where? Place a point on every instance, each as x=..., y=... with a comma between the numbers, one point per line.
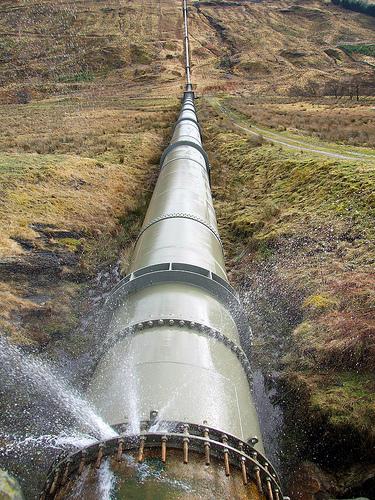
x=255, y=141
x=23, y=97
x=357, y=5
x=367, y=50
x=81, y=76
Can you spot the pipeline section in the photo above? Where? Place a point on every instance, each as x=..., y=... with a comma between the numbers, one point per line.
x=173, y=375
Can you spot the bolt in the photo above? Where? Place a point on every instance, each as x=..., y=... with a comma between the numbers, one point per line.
x=66, y=472
x=243, y=470
x=269, y=488
x=82, y=461
x=164, y=449
x=258, y=479
x=55, y=480
x=141, y=449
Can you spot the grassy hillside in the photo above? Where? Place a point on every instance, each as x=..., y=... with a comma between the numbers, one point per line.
x=58, y=47
x=67, y=188
x=79, y=146
x=289, y=47
x=299, y=241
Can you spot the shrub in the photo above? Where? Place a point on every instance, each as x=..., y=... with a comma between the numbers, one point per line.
x=23, y=97
x=255, y=141
x=357, y=5
x=81, y=76
x=367, y=50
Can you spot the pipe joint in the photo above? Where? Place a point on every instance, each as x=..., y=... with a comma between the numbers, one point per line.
x=186, y=437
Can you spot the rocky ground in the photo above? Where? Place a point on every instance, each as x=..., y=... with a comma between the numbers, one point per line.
x=89, y=92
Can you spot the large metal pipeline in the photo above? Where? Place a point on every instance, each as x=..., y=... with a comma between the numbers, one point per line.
x=174, y=380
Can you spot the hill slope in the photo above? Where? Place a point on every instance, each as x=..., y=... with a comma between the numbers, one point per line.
x=273, y=46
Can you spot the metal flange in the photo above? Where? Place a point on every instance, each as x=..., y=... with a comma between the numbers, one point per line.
x=202, y=329
x=201, y=439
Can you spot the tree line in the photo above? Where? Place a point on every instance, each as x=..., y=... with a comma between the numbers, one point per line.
x=353, y=87
x=357, y=5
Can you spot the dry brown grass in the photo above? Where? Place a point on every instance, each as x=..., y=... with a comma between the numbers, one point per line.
x=81, y=172
x=70, y=173
x=299, y=236
x=56, y=47
x=83, y=127
x=330, y=120
x=274, y=47
x=278, y=47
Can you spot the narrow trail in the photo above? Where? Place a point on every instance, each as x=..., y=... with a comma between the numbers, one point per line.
x=286, y=141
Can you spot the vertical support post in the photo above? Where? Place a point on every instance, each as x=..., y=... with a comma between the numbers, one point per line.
x=186, y=444
x=66, y=472
x=99, y=456
x=269, y=488
x=54, y=483
x=207, y=445
x=120, y=449
x=82, y=462
x=256, y=469
x=141, y=448
x=226, y=455
x=243, y=466
x=164, y=449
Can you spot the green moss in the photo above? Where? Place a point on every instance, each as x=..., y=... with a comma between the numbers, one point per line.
x=255, y=67
x=304, y=330
x=139, y=55
x=264, y=251
x=9, y=487
x=107, y=248
x=81, y=76
x=266, y=182
x=63, y=325
x=27, y=163
x=73, y=244
x=349, y=399
x=132, y=221
x=319, y=303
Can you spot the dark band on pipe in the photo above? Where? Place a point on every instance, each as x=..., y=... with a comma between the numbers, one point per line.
x=175, y=145
x=183, y=273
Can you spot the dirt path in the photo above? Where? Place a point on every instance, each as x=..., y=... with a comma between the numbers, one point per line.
x=288, y=142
